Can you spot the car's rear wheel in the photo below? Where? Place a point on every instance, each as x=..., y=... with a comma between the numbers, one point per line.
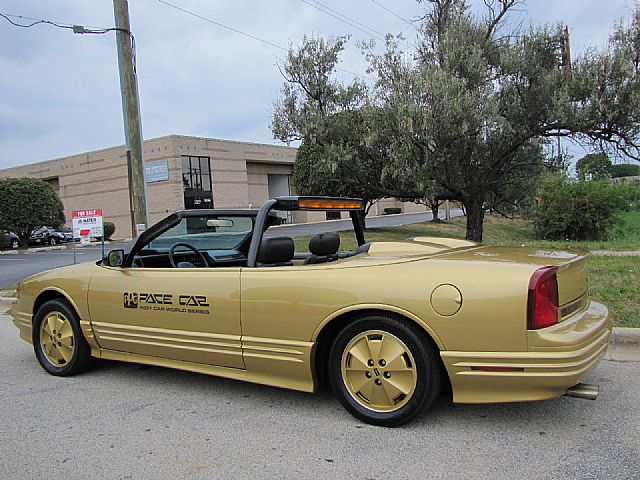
x=59, y=344
x=384, y=370
x=15, y=244
x=52, y=240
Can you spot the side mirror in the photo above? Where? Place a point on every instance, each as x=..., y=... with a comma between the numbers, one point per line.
x=115, y=258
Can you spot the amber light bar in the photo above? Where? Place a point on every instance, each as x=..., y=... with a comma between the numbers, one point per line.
x=330, y=203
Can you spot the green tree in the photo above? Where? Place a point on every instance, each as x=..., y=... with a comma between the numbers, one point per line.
x=345, y=137
x=625, y=170
x=478, y=102
x=467, y=115
x=28, y=203
x=471, y=105
x=594, y=166
x=330, y=119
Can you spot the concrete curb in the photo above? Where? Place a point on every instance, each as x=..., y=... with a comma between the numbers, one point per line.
x=45, y=249
x=624, y=345
x=615, y=253
x=626, y=336
x=9, y=252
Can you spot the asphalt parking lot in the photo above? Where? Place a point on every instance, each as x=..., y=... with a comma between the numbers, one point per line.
x=131, y=421
x=14, y=268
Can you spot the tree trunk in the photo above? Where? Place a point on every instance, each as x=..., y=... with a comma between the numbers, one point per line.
x=362, y=220
x=435, y=207
x=475, y=219
x=368, y=204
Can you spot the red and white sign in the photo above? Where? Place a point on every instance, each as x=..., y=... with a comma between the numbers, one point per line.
x=87, y=223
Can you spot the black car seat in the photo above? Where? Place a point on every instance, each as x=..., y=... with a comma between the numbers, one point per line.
x=276, y=252
x=323, y=247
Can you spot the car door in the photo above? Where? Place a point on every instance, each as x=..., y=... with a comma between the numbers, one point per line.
x=187, y=314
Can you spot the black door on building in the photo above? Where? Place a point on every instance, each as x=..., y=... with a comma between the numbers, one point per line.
x=196, y=181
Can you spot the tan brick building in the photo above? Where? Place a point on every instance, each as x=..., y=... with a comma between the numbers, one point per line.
x=181, y=172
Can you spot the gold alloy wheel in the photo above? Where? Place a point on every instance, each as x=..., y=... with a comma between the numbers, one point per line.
x=56, y=339
x=379, y=371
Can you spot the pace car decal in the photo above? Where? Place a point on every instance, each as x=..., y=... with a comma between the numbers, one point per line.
x=164, y=302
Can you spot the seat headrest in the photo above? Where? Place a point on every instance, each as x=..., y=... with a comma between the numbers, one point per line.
x=276, y=250
x=323, y=244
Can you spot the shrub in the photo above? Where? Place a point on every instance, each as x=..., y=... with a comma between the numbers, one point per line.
x=108, y=229
x=27, y=204
x=570, y=210
x=392, y=210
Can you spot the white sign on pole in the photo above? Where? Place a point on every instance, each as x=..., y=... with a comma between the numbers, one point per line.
x=87, y=223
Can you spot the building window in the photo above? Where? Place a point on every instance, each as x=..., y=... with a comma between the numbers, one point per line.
x=196, y=182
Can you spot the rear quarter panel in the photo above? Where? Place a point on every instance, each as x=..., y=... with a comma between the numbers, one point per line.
x=295, y=303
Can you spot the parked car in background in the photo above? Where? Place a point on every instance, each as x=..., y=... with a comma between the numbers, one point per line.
x=66, y=231
x=9, y=240
x=48, y=236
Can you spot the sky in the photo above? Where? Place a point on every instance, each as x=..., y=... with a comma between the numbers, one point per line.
x=60, y=91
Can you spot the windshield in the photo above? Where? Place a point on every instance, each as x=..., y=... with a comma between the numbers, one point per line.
x=210, y=232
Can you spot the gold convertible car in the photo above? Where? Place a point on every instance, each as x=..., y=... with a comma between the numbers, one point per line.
x=387, y=325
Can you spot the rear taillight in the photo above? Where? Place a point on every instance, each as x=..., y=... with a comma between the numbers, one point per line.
x=542, y=308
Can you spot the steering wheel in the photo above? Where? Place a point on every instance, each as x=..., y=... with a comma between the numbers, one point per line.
x=190, y=247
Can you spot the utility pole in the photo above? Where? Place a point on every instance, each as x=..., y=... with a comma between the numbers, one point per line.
x=131, y=116
x=565, y=62
x=567, y=46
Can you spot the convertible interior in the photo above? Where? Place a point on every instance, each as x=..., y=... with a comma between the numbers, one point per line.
x=240, y=238
x=212, y=243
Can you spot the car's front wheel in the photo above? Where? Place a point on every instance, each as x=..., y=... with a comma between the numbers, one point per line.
x=59, y=344
x=52, y=241
x=384, y=370
x=15, y=244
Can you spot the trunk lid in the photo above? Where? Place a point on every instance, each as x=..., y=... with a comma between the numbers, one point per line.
x=571, y=274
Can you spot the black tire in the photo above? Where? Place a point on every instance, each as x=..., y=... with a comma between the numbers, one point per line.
x=420, y=356
x=52, y=241
x=80, y=358
x=15, y=244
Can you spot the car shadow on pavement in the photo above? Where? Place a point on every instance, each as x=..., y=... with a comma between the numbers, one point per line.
x=489, y=416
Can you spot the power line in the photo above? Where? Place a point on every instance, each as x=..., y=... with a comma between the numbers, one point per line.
x=408, y=22
x=345, y=19
x=375, y=34
x=248, y=35
x=76, y=28
x=79, y=29
x=223, y=26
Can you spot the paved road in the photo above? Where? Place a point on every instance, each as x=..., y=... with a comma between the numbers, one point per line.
x=130, y=421
x=372, y=222
x=14, y=268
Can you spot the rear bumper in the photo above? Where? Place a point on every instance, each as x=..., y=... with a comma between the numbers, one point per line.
x=557, y=359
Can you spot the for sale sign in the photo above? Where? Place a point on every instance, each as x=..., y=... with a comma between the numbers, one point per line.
x=87, y=223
